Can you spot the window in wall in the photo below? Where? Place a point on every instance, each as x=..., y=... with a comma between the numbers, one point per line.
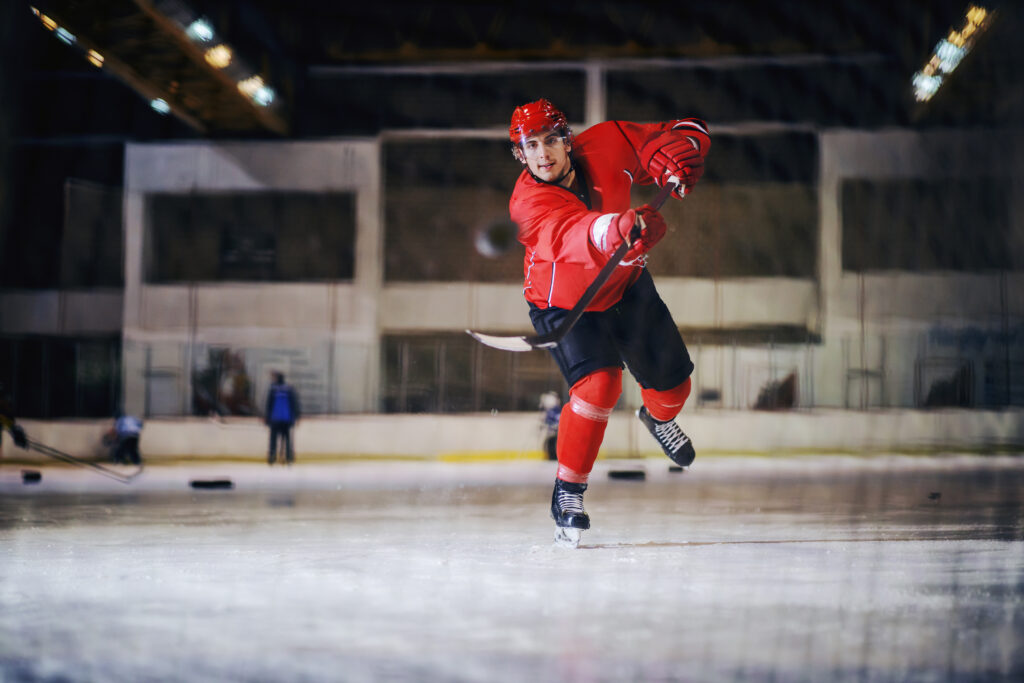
x=836, y=92
x=754, y=213
x=52, y=377
x=92, y=253
x=251, y=236
x=921, y=225
x=60, y=217
x=440, y=194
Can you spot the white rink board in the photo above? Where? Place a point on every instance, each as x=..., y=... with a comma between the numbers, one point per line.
x=518, y=435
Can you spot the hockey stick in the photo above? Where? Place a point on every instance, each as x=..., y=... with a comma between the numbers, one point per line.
x=65, y=457
x=551, y=339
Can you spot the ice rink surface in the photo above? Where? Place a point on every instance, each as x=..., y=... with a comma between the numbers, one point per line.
x=830, y=568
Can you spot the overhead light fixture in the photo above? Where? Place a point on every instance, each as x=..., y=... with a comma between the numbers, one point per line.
x=949, y=52
x=64, y=35
x=264, y=96
x=255, y=89
x=218, y=56
x=200, y=31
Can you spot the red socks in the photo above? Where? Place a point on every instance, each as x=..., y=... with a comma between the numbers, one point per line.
x=665, y=405
x=585, y=417
x=583, y=421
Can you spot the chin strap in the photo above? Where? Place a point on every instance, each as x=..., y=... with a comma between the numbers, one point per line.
x=572, y=167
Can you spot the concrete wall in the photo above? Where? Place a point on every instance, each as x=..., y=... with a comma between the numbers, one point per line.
x=335, y=322
x=870, y=325
x=859, y=309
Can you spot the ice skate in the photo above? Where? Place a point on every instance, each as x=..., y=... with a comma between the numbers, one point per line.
x=567, y=511
x=670, y=437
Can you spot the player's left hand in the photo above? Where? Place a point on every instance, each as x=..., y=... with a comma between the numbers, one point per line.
x=679, y=158
x=679, y=152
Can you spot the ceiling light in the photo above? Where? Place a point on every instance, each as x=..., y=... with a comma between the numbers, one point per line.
x=258, y=91
x=200, y=30
x=65, y=35
x=218, y=56
x=949, y=52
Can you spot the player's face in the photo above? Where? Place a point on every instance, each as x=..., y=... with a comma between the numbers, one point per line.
x=547, y=155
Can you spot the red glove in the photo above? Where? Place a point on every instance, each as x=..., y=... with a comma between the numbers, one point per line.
x=611, y=230
x=678, y=152
x=652, y=228
x=642, y=227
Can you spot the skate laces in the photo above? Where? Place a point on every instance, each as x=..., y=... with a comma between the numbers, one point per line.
x=569, y=502
x=670, y=435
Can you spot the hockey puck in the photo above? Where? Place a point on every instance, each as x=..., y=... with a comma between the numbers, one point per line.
x=675, y=468
x=496, y=238
x=631, y=475
x=31, y=476
x=212, y=484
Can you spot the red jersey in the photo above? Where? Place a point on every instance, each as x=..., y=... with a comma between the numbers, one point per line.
x=554, y=222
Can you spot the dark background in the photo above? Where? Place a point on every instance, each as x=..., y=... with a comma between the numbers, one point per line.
x=768, y=77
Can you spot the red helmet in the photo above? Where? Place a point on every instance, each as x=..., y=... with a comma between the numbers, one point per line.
x=537, y=117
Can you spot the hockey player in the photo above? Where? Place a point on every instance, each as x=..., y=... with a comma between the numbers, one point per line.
x=551, y=404
x=8, y=422
x=125, y=435
x=572, y=206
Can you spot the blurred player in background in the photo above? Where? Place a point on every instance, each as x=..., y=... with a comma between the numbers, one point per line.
x=572, y=206
x=8, y=422
x=123, y=438
x=551, y=405
x=281, y=414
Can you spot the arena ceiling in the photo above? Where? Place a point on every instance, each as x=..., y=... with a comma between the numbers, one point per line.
x=321, y=32
x=283, y=41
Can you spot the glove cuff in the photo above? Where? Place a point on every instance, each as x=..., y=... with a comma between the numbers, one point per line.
x=602, y=234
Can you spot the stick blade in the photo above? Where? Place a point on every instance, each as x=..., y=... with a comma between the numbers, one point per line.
x=504, y=343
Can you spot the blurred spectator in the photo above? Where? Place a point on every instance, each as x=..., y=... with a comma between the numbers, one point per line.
x=222, y=386
x=281, y=414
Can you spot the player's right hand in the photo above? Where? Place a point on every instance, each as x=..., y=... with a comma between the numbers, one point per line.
x=642, y=228
x=610, y=230
x=652, y=227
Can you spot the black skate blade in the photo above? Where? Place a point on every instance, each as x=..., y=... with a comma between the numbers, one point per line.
x=629, y=475
x=31, y=476
x=212, y=484
x=676, y=468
